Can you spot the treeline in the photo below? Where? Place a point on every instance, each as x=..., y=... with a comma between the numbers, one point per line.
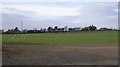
x=55, y=30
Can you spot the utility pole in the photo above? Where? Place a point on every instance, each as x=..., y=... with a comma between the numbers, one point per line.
x=21, y=25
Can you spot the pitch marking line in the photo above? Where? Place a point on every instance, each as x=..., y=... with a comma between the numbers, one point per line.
x=13, y=37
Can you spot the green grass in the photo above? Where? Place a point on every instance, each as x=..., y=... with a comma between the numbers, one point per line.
x=98, y=37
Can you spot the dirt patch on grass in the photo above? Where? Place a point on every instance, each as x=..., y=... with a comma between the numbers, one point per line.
x=59, y=55
x=11, y=50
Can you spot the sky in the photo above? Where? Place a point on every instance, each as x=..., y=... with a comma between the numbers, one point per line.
x=72, y=14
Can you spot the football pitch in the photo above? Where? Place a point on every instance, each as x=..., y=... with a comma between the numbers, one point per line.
x=70, y=48
x=88, y=37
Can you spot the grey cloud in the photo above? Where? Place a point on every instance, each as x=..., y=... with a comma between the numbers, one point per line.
x=99, y=14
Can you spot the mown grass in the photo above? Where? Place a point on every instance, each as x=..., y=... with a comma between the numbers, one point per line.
x=90, y=37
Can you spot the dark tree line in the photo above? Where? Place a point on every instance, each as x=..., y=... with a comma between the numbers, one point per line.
x=13, y=31
x=90, y=28
x=55, y=30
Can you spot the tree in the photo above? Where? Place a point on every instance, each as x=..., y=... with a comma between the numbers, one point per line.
x=92, y=28
x=50, y=29
x=104, y=29
x=85, y=29
x=16, y=30
x=13, y=31
x=71, y=29
x=55, y=29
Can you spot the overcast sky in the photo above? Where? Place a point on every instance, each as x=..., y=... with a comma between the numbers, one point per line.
x=71, y=14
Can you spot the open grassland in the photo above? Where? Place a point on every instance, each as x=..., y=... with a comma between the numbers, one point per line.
x=89, y=37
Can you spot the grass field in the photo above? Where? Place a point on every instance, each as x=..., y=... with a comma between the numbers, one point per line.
x=95, y=37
